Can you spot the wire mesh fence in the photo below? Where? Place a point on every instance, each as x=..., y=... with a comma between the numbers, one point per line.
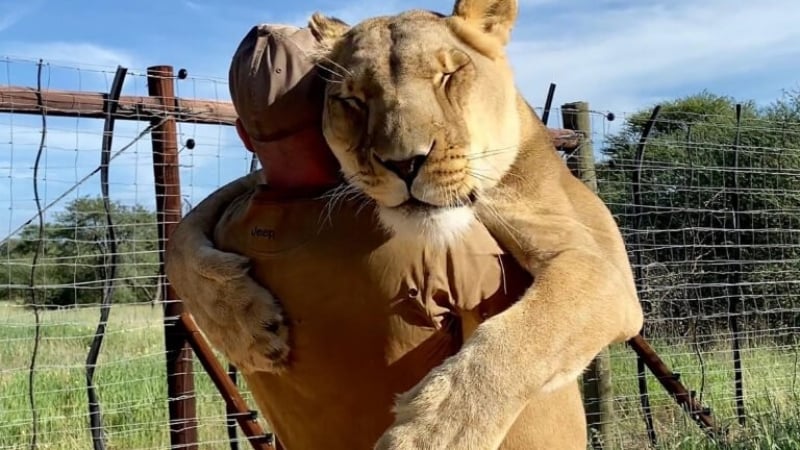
x=709, y=209
x=57, y=265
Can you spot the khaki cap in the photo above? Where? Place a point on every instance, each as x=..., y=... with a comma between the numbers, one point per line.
x=273, y=82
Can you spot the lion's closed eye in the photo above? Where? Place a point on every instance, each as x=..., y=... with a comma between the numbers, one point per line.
x=452, y=61
x=444, y=79
x=347, y=121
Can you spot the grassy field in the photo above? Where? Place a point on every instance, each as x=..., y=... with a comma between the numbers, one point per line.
x=131, y=384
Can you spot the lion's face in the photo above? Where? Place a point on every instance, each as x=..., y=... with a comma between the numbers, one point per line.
x=421, y=111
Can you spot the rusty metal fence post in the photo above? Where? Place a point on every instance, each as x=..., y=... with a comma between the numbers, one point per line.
x=180, y=377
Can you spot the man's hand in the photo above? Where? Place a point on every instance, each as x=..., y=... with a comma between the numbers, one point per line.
x=239, y=317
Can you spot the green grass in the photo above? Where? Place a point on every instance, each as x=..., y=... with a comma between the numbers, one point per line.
x=770, y=389
x=130, y=380
x=131, y=383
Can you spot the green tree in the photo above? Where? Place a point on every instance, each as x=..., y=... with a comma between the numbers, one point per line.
x=75, y=257
x=717, y=222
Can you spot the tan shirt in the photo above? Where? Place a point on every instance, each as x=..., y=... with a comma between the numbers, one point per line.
x=371, y=314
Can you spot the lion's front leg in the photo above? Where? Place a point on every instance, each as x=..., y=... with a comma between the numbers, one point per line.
x=462, y=404
x=540, y=344
x=239, y=317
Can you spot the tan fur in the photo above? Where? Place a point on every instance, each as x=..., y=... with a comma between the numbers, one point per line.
x=239, y=317
x=417, y=84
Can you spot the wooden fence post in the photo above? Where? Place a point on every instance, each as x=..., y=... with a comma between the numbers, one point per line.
x=180, y=376
x=598, y=396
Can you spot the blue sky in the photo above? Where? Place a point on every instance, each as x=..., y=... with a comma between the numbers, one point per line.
x=620, y=55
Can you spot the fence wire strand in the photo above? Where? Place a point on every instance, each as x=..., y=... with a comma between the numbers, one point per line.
x=39, y=245
x=110, y=260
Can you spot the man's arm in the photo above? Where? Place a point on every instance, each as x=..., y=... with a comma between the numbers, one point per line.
x=239, y=317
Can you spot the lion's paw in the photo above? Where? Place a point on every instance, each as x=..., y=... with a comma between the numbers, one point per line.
x=240, y=318
x=440, y=412
x=262, y=325
x=245, y=322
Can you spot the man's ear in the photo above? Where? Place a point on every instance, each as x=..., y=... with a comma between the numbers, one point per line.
x=494, y=17
x=248, y=144
x=327, y=30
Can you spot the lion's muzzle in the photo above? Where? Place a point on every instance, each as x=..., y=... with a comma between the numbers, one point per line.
x=406, y=169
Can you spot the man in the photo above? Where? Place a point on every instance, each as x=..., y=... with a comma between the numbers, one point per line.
x=368, y=315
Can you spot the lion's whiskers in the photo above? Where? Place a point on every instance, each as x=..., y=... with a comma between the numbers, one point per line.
x=475, y=174
x=492, y=210
x=451, y=195
x=319, y=55
x=344, y=192
x=492, y=164
x=328, y=74
x=493, y=152
x=365, y=201
x=325, y=63
x=328, y=80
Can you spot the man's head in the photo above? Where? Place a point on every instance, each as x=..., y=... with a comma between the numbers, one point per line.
x=277, y=94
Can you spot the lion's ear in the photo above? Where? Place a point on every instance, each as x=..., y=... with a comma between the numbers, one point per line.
x=494, y=17
x=327, y=30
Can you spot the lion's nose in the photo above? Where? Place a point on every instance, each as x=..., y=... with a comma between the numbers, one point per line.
x=406, y=169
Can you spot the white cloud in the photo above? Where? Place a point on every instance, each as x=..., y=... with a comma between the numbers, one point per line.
x=194, y=6
x=617, y=58
x=76, y=54
x=10, y=14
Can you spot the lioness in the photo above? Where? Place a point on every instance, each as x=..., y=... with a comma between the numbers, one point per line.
x=422, y=113
x=425, y=119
